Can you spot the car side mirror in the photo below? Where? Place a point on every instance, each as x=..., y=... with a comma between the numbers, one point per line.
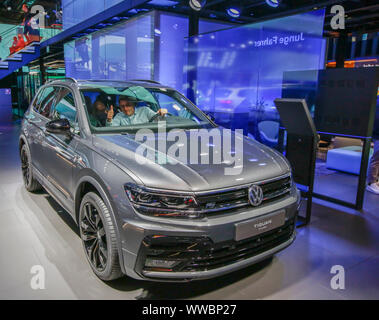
x=60, y=126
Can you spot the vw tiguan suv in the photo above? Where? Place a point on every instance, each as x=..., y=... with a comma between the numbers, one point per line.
x=154, y=220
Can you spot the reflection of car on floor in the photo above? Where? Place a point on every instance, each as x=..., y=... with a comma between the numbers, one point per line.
x=163, y=221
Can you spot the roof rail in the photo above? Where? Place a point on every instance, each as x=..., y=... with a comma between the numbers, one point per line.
x=65, y=78
x=105, y=80
x=114, y=80
x=144, y=80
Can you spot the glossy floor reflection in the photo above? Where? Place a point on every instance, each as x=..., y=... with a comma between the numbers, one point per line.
x=35, y=230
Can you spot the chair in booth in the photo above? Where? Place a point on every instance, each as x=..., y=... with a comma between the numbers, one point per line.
x=268, y=132
x=346, y=155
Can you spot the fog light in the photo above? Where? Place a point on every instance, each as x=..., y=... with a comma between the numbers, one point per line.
x=154, y=263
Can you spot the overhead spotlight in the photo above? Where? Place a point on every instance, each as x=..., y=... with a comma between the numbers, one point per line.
x=234, y=12
x=197, y=5
x=273, y=3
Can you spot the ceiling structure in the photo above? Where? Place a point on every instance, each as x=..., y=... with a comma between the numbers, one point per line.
x=361, y=15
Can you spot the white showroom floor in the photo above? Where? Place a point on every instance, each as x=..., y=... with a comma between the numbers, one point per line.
x=36, y=231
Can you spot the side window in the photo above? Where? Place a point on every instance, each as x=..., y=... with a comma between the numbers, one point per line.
x=37, y=100
x=46, y=101
x=65, y=107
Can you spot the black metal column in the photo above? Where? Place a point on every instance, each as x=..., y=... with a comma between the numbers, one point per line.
x=341, y=50
x=363, y=173
x=193, y=30
x=42, y=70
x=156, y=57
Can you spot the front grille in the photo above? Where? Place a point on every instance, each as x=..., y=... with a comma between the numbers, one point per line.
x=201, y=254
x=223, y=200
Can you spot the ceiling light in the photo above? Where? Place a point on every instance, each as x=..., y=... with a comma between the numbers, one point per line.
x=273, y=3
x=197, y=5
x=234, y=12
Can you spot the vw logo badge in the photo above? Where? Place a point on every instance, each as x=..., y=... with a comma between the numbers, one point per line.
x=255, y=195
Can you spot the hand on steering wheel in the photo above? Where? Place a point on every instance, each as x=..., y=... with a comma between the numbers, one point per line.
x=159, y=115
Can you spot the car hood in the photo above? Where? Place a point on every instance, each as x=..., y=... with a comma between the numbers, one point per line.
x=259, y=163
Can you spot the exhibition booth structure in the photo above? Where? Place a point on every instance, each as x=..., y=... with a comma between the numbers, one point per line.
x=342, y=103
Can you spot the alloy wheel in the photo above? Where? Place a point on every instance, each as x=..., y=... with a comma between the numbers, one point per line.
x=93, y=235
x=25, y=167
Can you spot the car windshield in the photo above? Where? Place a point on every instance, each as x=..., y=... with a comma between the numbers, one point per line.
x=128, y=109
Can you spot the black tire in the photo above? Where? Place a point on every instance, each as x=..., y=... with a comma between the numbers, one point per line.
x=99, y=238
x=31, y=184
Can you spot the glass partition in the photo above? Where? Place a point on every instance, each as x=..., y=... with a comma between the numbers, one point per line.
x=239, y=70
x=122, y=52
x=150, y=46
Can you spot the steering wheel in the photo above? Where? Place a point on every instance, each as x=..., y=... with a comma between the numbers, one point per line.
x=157, y=116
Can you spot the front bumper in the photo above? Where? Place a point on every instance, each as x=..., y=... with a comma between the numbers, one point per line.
x=202, y=259
x=203, y=251
x=188, y=276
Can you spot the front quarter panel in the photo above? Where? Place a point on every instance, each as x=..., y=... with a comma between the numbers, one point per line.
x=108, y=179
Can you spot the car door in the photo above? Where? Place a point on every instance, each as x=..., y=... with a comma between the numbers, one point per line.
x=37, y=119
x=59, y=151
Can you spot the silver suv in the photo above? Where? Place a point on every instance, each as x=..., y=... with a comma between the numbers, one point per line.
x=166, y=221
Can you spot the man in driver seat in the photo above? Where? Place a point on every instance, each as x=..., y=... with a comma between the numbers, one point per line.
x=130, y=115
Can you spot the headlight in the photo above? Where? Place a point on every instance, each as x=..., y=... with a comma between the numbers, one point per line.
x=162, y=204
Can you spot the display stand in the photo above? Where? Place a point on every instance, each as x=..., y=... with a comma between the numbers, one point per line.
x=344, y=102
x=301, y=147
x=365, y=155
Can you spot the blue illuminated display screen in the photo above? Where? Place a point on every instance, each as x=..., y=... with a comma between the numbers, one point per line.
x=76, y=11
x=239, y=71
